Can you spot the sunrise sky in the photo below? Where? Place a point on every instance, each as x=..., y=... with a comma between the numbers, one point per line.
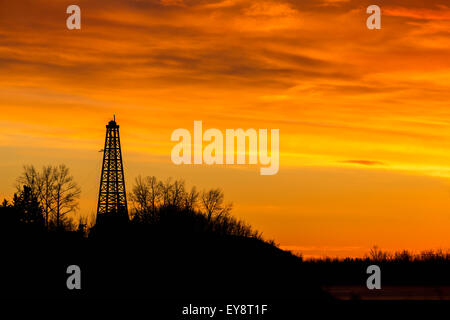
x=364, y=115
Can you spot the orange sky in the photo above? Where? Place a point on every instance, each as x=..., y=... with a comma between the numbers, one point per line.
x=364, y=115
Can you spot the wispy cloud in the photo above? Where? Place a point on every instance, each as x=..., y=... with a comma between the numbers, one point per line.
x=363, y=162
x=440, y=13
x=312, y=69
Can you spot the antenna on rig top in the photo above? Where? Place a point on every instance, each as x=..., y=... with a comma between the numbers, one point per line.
x=114, y=118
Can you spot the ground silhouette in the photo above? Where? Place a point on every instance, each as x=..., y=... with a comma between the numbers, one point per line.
x=169, y=252
x=179, y=245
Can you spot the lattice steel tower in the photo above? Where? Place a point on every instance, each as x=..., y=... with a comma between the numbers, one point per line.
x=112, y=197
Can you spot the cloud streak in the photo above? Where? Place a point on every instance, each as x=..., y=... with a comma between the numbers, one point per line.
x=312, y=69
x=364, y=162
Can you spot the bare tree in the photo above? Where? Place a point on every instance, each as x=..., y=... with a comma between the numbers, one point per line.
x=191, y=199
x=173, y=194
x=146, y=194
x=55, y=189
x=165, y=189
x=376, y=254
x=177, y=193
x=42, y=185
x=213, y=204
x=66, y=192
x=155, y=192
x=140, y=195
x=47, y=182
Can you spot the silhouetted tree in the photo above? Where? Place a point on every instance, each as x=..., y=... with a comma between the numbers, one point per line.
x=28, y=207
x=376, y=254
x=155, y=192
x=169, y=204
x=146, y=194
x=140, y=194
x=191, y=199
x=66, y=192
x=55, y=189
x=212, y=203
x=172, y=193
x=42, y=185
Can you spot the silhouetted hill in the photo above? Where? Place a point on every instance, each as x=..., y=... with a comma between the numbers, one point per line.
x=155, y=260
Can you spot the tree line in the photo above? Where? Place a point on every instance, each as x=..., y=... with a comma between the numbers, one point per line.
x=48, y=198
x=171, y=202
x=148, y=195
